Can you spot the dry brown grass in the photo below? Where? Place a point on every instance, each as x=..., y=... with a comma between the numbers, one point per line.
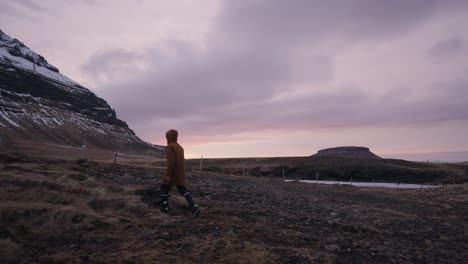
x=335, y=168
x=55, y=151
x=75, y=211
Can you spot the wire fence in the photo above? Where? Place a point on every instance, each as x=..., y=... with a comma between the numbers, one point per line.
x=155, y=159
x=319, y=176
x=55, y=151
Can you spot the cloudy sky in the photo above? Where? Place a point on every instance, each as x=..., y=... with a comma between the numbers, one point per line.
x=265, y=77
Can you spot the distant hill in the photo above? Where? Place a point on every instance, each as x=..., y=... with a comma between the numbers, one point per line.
x=433, y=157
x=39, y=104
x=347, y=152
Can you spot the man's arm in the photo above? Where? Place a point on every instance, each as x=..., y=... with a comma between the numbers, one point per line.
x=170, y=156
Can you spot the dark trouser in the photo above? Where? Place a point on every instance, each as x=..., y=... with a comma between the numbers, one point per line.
x=165, y=188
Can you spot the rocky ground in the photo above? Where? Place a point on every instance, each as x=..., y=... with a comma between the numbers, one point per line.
x=59, y=211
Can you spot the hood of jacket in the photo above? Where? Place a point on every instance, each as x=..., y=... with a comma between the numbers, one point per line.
x=171, y=136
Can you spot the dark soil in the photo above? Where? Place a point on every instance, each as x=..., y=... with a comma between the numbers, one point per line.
x=56, y=211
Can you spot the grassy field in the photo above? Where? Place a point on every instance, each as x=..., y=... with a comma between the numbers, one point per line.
x=79, y=211
x=74, y=152
x=306, y=168
x=336, y=168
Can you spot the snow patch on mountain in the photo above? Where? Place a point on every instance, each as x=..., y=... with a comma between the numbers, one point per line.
x=14, y=52
x=37, y=103
x=6, y=117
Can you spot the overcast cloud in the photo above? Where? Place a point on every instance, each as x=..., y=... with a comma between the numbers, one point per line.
x=249, y=71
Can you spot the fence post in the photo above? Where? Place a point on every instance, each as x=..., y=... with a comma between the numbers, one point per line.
x=344, y=171
x=201, y=164
x=243, y=168
x=366, y=171
x=283, y=172
x=115, y=158
x=317, y=175
x=148, y=158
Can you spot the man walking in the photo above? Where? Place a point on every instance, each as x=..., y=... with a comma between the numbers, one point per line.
x=175, y=174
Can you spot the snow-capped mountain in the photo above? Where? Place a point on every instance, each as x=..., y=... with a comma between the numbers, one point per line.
x=37, y=102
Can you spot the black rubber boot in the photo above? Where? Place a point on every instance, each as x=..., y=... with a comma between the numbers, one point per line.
x=194, y=208
x=195, y=211
x=165, y=203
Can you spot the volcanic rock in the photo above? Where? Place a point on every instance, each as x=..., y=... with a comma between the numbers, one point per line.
x=38, y=103
x=347, y=152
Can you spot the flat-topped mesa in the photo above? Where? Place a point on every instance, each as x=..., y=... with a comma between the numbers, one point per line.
x=347, y=152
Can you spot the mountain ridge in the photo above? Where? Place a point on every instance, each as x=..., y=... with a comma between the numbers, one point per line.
x=37, y=102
